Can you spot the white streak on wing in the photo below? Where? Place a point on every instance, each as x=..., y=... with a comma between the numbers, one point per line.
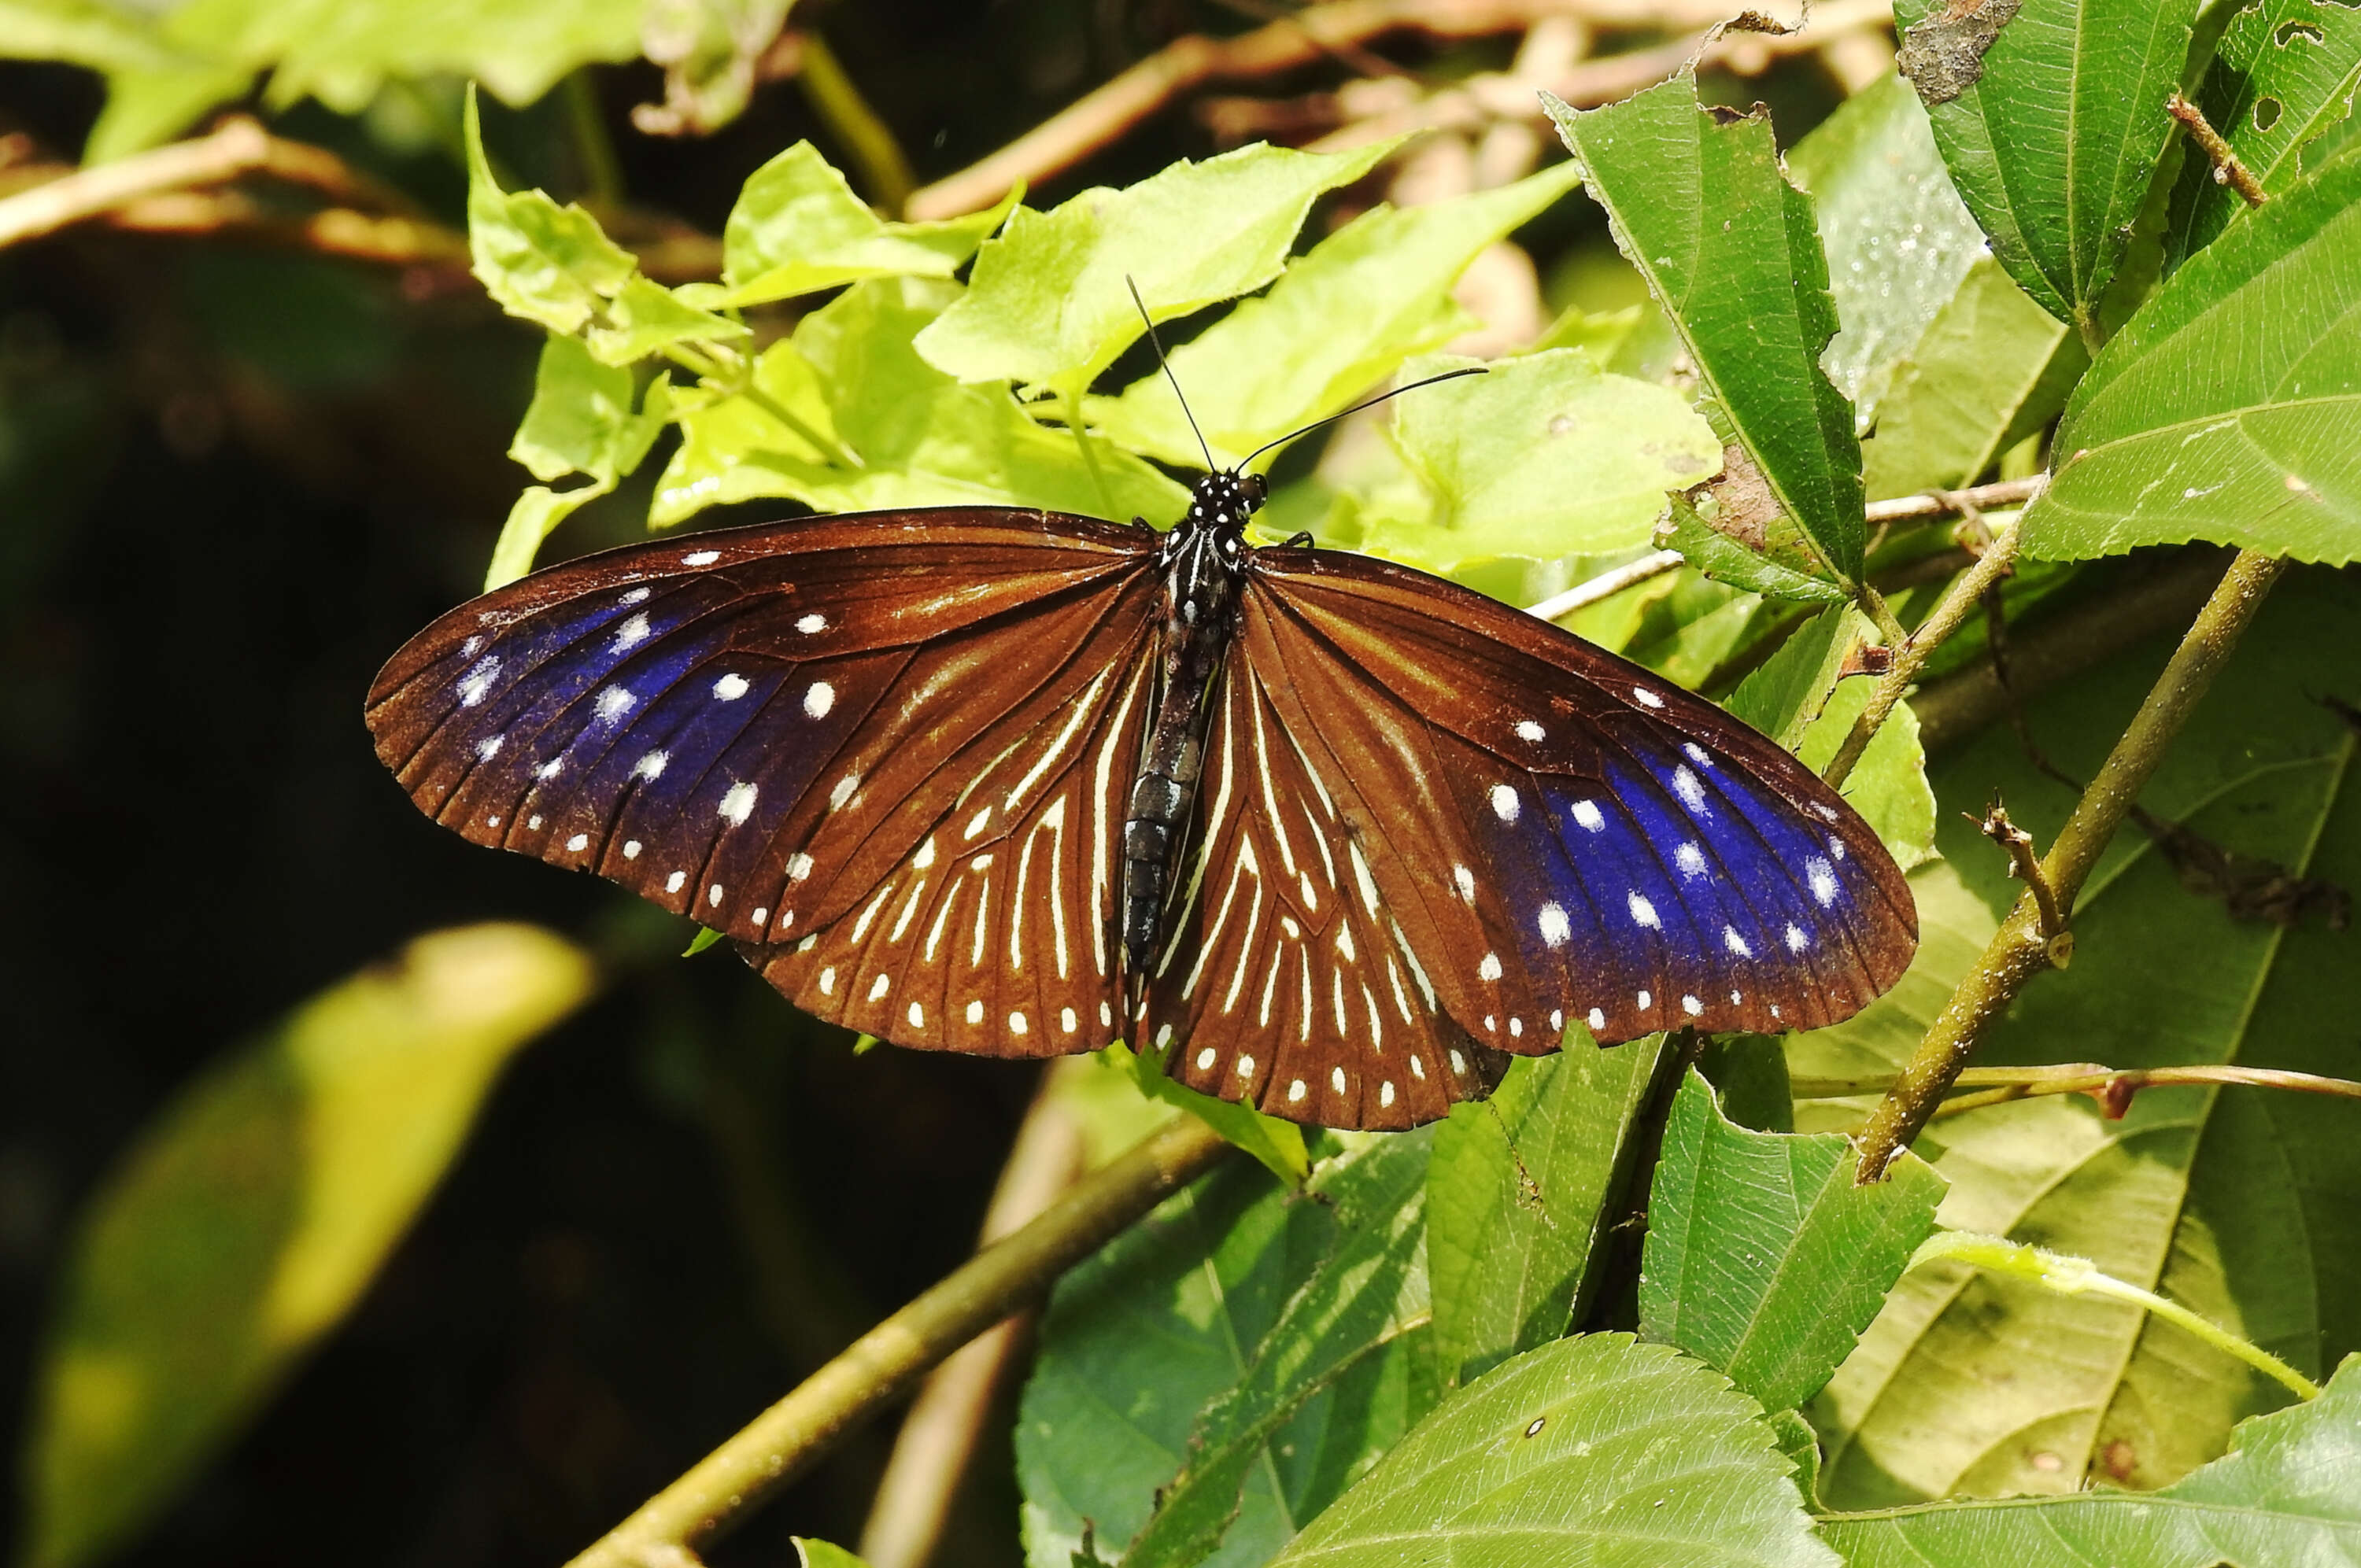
x=1270, y=984
x=1320, y=842
x=1303, y=1025
x=1319, y=784
x=1425, y=987
x=909, y=912
x=1401, y=998
x=1103, y=824
x=1048, y=759
x=1054, y=822
x=1361, y=877
x=1336, y=999
x=1246, y=866
x=942, y=918
x=861, y=927
x=1270, y=793
x=983, y=915
x=1377, y=1023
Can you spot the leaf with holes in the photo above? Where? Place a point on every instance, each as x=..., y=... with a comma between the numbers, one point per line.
x=2053, y=135
x=1519, y=1194
x=2225, y=408
x=1048, y=307
x=246, y=1220
x=1763, y=1258
x=2288, y=1491
x=1727, y=246
x=2282, y=80
x=2232, y=1202
x=1591, y=1449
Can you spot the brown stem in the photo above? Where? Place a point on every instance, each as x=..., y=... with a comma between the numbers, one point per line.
x=2026, y=866
x=2227, y=169
x=2018, y=951
x=2111, y=1087
x=937, y=1441
x=883, y=1364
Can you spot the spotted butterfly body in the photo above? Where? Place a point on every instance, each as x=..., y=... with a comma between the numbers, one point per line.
x=1335, y=836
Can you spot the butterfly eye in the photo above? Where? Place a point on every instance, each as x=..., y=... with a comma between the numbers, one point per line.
x=1252, y=490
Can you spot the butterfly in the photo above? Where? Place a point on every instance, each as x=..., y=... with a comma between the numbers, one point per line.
x=1337, y=837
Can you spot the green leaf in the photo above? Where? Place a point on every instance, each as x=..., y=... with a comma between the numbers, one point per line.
x=1763, y=1258
x=533, y=518
x=1370, y=1290
x=1899, y=241
x=343, y=51
x=2289, y=1491
x=851, y=373
x=2225, y=409
x=94, y=33
x=1590, y=1451
x=797, y=228
x=1518, y=1197
x=1277, y=1144
x=2053, y=137
x=1546, y=456
x=812, y=1553
x=644, y=318
x=146, y=107
x=1791, y=688
x=1175, y=1313
x=246, y=1221
x=1727, y=246
x=546, y=263
x=2230, y=1201
x=1992, y=368
x=1337, y=322
x=581, y=418
x=1725, y=560
x=1048, y=307
x=1888, y=785
x=2283, y=76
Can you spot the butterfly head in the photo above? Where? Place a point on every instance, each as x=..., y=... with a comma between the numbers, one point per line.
x=1222, y=502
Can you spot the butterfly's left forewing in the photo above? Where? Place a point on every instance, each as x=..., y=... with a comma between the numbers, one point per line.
x=818, y=729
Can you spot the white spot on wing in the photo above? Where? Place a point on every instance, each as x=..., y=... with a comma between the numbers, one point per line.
x=1586, y=813
x=637, y=596
x=1016, y=1024
x=676, y=882
x=843, y=791
x=1554, y=926
x=1490, y=968
x=489, y=747
x=579, y=842
x=1505, y=804
x=630, y=849
x=651, y=766
x=878, y=987
x=550, y=769
x=729, y=687
x=1797, y=940
x=738, y=802
x=615, y=702
x=1245, y=1067
x=811, y=623
x=1645, y=698
x=1690, y=859
x=917, y=1017
x=1698, y=753
x=1692, y=792
x=1735, y=943
x=478, y=682
x=1528, y=730
x=1295, y=1092
x=799, y=866
x=818, y=699
x=1598, y=1020
x=700, y=558
x=1823, y=878
x=1205, y=1058
x=632, y=633
x=1643, y=913
x=1692, y=1007
x=1465, y=880
x=713, y=896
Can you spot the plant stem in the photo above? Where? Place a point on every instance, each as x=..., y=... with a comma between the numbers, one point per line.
x=2227, y=169
x=839, y=102
x=883, y=1364
x=2018, y=952
x=2080, y=1277
x=737, y=379
x=2112, y=1086
x=1911, y=653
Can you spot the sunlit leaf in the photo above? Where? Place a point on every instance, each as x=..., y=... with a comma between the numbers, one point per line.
x=1764, y=1258
x=1048, y=307
x=2225, y=409
x=1699, y=204
x=1519, y=1194
x=644, y=318
x=1588, y=1451
x=246, y=1220
x=546, y=263
x=1337, y=323
x=2289, y=1492
x=2229, y=1201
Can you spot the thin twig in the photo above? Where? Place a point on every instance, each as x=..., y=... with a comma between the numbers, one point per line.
x=236, y=148
x=1143, y=91
x=2018, y=952
x=1607, y=585
x=937, y=1441
x=2095, y=1079
x=1910, y=656
x=1996, y=497
x=2026, y=866
x=883, y=1364
x=839, y=102
x=2227, y=169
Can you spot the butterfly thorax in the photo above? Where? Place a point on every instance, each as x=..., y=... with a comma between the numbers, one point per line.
x=1203, y=563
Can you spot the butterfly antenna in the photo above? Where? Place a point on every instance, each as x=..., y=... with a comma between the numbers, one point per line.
x=1356, y=408
x=1167, y=364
